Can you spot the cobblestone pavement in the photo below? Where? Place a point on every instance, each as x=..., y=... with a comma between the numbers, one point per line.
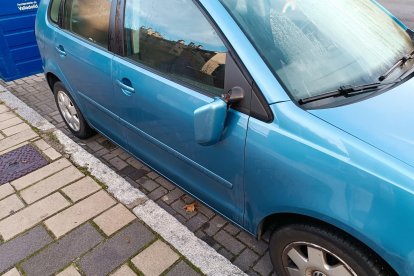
x=57, y=220
x=236, y=245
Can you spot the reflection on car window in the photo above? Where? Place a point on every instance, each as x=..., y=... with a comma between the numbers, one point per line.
x=174, y=37
x=89, y=19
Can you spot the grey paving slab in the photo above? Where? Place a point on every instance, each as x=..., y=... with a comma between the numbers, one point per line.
x=117, y=250
x=182, y=269
x=246, y=259
x=64, y=251
x=229, y=242
x=23, y=246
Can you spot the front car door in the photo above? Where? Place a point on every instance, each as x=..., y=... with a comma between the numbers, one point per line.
x=175, y=62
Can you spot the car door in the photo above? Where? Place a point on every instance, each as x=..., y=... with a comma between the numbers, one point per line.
x=81, y=47
x=174, y=63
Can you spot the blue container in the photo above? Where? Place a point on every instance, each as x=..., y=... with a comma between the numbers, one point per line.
x=19, y=54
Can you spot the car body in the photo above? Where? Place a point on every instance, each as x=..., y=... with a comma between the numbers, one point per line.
x=262, y=159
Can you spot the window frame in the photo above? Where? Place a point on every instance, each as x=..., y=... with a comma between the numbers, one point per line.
x=49, y=13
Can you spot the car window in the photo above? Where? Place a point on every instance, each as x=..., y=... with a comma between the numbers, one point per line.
x=54, y=10
x=175, y=38
x=89, y=19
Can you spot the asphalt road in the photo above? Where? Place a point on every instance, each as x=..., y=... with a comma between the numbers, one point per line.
x=403, y=9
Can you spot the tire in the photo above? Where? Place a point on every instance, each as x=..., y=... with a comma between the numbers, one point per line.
x=296, y=249
x=70, y=112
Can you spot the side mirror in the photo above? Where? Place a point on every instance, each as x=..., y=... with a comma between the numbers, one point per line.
x=209, y=122
x=209, y=119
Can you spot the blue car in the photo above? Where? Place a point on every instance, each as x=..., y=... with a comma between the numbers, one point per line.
x=290, y=116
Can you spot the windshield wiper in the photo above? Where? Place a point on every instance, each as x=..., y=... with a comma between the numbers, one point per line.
x=346, y=91
x=400, y=63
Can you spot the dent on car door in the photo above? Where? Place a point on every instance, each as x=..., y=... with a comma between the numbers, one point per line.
x=174, y=64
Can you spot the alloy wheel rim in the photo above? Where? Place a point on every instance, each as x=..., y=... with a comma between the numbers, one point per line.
x=68, y=111
x=307, y=259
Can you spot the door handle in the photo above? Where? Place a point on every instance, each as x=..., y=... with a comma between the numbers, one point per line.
x=126, y=86
x=61, y=50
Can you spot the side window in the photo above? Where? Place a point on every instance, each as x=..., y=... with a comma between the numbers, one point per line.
x=54, y=10
x=89, y=19
x=174, y=37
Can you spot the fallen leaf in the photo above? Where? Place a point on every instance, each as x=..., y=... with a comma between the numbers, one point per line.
x=190, y=208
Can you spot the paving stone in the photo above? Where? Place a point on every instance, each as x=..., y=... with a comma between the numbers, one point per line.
x=31, y=215
x=232, y=229
x=214, y=225
x=132, y=172
x=155, y=259
x=15, y=129
x=63, y=252
x=9, y=123
x=114, y=219
x=258, y=246
x=23, y=246
x=6, y=116
x=51, y=184
x=230, y=243
x=14, y=147
x=6, y=190
x=41, y=144
x=227, y=254
x=196, y=222
x=179, y=207
x=148, y=184
x=12, y=272
x=40, y=174
x=158, y=193
x=118, y=163
x=182, y=269
x=205, y=210
x=124, y=270
x=79, y=213
x=246, y=259
x=17, y=139
x=4, y=108
x=134, y=162
x=264, y=265
x=52, y=154
x=165, y=183
x=116, y=251
x=10, y=205
x=70, y=271
x=172, y=196
x=81, y=189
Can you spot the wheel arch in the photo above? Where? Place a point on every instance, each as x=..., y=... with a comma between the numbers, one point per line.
x=51, y=80
x=278, y=220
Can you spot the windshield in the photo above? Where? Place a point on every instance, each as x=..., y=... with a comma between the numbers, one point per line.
x=315, y=46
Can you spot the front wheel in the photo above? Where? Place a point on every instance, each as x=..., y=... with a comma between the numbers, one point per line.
x=71, y=113
x=309, y=250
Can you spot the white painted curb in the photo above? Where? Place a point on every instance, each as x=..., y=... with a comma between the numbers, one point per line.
x=195, y=250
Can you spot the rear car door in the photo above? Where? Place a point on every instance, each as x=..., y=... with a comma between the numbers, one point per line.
x=82, y=49
x=174, y=62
